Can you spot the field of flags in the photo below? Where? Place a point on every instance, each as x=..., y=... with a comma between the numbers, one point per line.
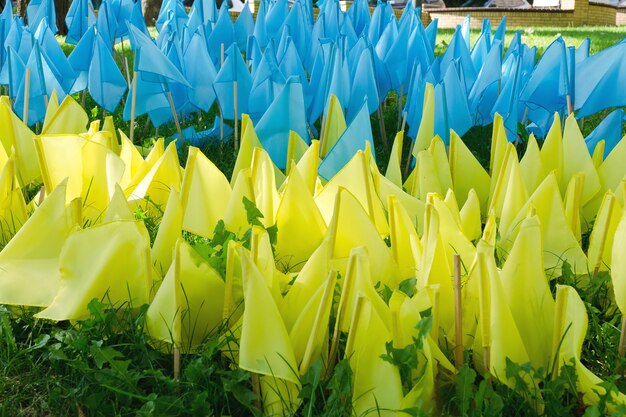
x=309, y=253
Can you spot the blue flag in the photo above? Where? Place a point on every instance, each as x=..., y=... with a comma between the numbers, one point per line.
x=609, y=130
x=234, y=69
x=200, y=72
x=80, y=60
x=106, y=83
x=79, y=18
x=42, y=10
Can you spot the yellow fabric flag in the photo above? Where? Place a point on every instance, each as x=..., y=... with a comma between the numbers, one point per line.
x=552, y=149
x=17, y=138
x=603, y=232
x=108, y=262
x=598, y=154
x=531, y=165
x=559, y=242
x=13, y=211
x=155, y=185
x=437, y=150
x=611, y=173
x=296, y=148
x=570, y=329
x=69, y=118
x=533, y=313
x=467, y=173
x=235, y=217
x=401, y=233
x=307, y=282
x=471, y=222
x=618, y=265
x=451, y=233
x=54, y=152
x=189, y=304
x=499, y=145
x=501, y=187
x=355, y=176
x=31, y=259
x=262, y=174
x=118, y=207
x=53, y=106
x=576, y=159
x=249, y=142
x=170, y=230
x=308, y=165
x=205, y=192
x=515, y=195
x=572, y=202
x=334, y=125
x=394, y=170
x=109, y=127
x=414, y=207
x=133, y=160
x=263, y=257
x=453, y=206
x=426, y=131
x=301, y=227
x=427, y=179
x=350, y=227
x=365, y=345
x=497, y=329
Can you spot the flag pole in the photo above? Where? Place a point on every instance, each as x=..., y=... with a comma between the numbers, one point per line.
x=26, y=95
x=133, y=102
x=570, y=108
x=407, y=167
x=235, y=99
x=176, y=362
x=180, y=133
x=403, y=121
x=458, y=313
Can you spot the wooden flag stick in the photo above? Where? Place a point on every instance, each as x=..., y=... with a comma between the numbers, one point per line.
x=407, y=167
x=180, y=133
x=26, y=95
x=133, y=102
x=458, y=313
x=381, y=126
x=570, y=107
x=125, y=63
x=176, y=362
x=399, y=105
x=604, y=231
x=403, y=121
x=236, y=133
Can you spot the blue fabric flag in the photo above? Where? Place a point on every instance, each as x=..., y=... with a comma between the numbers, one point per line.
x=55, y=58
x=223, y=34
x=39, y=77
x=286, y=113
x=359, y=13
x=457, y=50
x=200, y=72
x=80, y=60
x=458, y=114
x=415, y=101
x=137, y=20
x=609, y=130
x=431, y=33
x=500, y=31
x=79, y=18
x=106, y=83
x=485, y=90
x=171, y=8
x=234, y=69
x=354, y=138
x=363, y=87
x=507, y=104
x=267, y=81
x=42, y=10
x=12, y=73
x=244, y=27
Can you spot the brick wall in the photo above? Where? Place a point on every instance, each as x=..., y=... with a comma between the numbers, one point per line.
x=620, y=17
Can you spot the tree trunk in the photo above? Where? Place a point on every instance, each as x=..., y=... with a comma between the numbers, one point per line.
x=150, y=9
x=61, y=6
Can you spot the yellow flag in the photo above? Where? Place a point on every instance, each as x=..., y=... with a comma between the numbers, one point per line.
x=598, y=154
x=263, y=257
x=53, y=106
x=308, y=165
x=559, y=242
x=31, y=259
x=262, y=174
x=394, y=170
x=132, y=160
x=296, y=148
x=572, y=202
x=155, y=185
x=576, y=159
x=301, y=227
x=467, y=173
x=570, y=329
x=118, y=207
x=401, y=233
x=451, y=232
x=437, y=150
x=265, y=347
x=13, y=211
x=453, y=206
x=515, y=195
x=17, y=138
x=69, y=118
x=354, y=176
x=189, y=304
x=552, y=150
x=499, y=145
x=611, y=173
x=365, y=345
x=426, y=131
x=235, y=218
x=603, y=232
x=350, y=227
x=531, y=165
x=334, y=125
x=427, y=179
x=249, y=141
x=170, y=230
x=109, y=262
x=471, y=222
x=414, y=207
x=618, y=266
x=205, y=192
x=533, y=313
x=109, y=127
